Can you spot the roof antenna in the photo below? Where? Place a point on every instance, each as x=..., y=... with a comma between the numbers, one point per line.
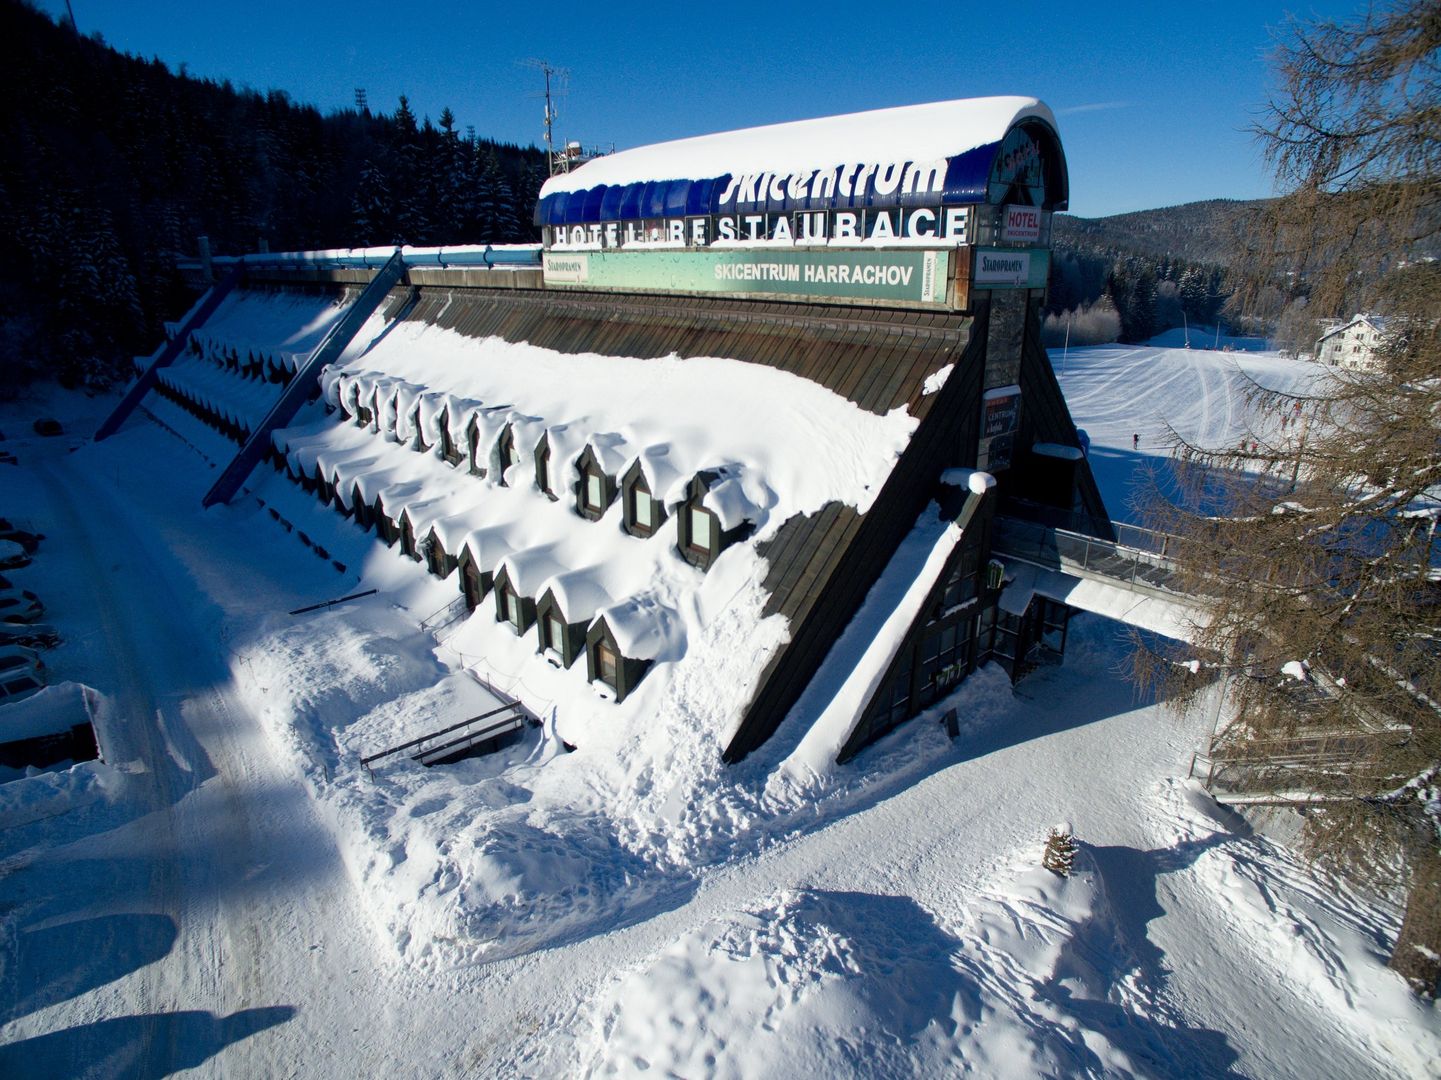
x=557, y=83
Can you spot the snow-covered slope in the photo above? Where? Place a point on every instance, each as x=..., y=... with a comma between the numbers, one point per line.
x=244, y=898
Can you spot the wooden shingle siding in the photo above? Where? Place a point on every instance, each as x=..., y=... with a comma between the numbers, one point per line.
x=870, y=356
x=841, y=552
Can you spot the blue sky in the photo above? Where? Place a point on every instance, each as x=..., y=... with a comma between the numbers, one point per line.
x=1152, y=99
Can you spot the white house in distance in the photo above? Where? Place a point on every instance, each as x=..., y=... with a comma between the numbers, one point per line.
x=1355, y=344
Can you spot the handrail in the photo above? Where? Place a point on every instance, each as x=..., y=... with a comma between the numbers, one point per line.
x=368, y=761
x=1054, y=548
x=505, y=723
x=443, y=617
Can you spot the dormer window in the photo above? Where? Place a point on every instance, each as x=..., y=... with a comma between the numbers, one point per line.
x=506, y=454
x=419, y=445
x=474, y=582
x=510, y=606
x=607, y=663
x=542, y=467
x=642, y=509
x=595, y=490
x=608, y=669
x=644, y=513
x=448, y=450
x=552, y=632
x=407, y=537
x=702, y=529
x=472, y=437
x=702, y=534
x=437, y=560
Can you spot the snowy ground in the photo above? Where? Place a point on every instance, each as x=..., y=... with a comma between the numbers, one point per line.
x=241, y=897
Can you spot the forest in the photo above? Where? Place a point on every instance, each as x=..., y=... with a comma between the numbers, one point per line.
x=114, y=165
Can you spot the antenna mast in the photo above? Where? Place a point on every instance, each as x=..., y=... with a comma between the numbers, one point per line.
x=556, y=82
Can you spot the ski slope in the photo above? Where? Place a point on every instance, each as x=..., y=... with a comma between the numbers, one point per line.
x=245, y=900
x=1115, y=392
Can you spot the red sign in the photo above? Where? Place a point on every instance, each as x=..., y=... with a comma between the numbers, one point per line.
x=1021, y=223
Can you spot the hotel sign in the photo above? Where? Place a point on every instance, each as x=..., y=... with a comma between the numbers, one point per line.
x=890, y=275
x=921, y=225
x=1020, y=224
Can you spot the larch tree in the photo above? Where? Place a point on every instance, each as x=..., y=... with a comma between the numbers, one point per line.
x=1313, y=543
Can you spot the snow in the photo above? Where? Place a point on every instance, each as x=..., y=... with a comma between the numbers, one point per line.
x=876, y=633
x=1056, y=450
x=907, y=133
x=233, y=893
x=973, y=480
x=51, y=711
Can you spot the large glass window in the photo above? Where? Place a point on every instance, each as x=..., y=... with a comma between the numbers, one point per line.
x=644, y=512
x=701, y=528
x=554, y=632
x=594, y=491
x=607, y=664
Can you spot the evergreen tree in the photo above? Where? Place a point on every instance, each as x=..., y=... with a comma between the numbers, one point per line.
x=374, y=216
x=1314, y=548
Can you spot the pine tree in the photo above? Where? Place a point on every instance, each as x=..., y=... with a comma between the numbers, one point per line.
x=373, y=215
x=1314, y=548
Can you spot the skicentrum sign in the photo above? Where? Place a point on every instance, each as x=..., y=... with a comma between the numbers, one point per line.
x=917, y=277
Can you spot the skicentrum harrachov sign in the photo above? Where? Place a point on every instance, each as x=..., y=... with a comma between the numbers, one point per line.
x=916, y=277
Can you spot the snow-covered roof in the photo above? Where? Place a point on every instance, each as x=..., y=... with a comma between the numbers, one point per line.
x=692, y=176
x=644, y=628
x=1379, y=323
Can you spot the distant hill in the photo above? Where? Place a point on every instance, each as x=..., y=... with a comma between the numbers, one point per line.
x=1198, y=232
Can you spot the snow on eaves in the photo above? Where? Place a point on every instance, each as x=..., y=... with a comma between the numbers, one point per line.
x=872, y=639
x=925, y=132
x=768, y=445
x=807, y=445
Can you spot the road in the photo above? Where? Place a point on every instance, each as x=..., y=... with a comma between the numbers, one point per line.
x=219, y=895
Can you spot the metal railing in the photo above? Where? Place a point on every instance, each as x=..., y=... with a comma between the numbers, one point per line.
x=426, y=748
x=1141, y=559
x=450, y=614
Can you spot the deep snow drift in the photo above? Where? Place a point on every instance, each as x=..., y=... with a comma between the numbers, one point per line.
x=635, y=905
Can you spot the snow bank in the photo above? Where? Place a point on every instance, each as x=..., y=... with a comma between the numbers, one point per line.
x=38, y=795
